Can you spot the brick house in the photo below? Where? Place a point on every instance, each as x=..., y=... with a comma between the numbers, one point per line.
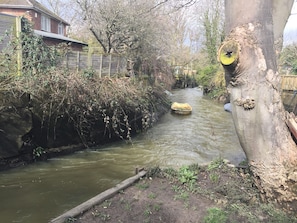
x=45, y=23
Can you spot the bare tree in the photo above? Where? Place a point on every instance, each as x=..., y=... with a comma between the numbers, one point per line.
x=57, y=6
x=249, y=59
x=131, y=27
x=115, y=24
x=69, y=10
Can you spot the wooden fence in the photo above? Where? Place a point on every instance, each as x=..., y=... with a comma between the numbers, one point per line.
x=103, y=65
x=288, y=92
x=289, y=82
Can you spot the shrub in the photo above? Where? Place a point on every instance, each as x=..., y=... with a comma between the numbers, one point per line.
x=186, y=175
x=206, y=74
x=288, y=58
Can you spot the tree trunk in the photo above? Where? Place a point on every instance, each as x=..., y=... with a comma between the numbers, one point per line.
x=249, y=59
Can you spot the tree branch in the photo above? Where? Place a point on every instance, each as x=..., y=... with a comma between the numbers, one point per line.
x=98, y=39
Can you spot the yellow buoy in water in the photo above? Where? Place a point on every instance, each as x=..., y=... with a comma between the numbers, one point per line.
x=181, y=108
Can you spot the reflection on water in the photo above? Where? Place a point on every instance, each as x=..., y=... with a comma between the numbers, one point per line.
x=42, y=191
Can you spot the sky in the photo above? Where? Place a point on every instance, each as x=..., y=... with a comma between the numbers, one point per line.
x=290, y=32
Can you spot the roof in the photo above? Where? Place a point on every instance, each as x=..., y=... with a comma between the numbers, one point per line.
x=30, y=4
x=57, y=36
x=7, y=15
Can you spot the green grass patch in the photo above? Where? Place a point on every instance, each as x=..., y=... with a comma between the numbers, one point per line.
x=215, y=215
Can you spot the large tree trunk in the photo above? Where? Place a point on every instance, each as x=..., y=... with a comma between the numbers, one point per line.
x=249, y=59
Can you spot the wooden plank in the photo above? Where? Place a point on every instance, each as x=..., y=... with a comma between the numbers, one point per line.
x=291, y=123
x=80, y=209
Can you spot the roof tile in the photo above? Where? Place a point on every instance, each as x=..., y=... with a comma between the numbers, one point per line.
x=30, y=4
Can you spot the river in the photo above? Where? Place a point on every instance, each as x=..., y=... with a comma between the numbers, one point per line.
x=39, y=192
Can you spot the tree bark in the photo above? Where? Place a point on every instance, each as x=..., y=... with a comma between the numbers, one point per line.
x=249, y=59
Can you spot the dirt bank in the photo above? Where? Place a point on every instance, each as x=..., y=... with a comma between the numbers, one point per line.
x=40, y=117
x=213, y=193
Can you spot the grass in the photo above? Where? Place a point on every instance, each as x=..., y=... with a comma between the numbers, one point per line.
x=157, y=207
x=103, y=216
x=182, y=195
x=70, y=220
x=215, y=215
x=147, y=212
x=256, y=213
x=214, y=177
x=152, y=196
x=215, y=164
x=106, y=204
x=142, y=186
x=126, y=204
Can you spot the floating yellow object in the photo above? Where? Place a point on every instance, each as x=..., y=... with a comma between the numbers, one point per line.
x=181, y=108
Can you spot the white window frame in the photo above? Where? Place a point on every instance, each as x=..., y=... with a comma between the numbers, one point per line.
x=61, y=29
x=45, y=23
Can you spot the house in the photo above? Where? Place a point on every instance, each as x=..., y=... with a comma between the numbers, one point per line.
x=45, y=23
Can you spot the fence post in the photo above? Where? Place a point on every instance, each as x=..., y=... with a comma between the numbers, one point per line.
x=90, y=59
x=66, y=62
x=18, y=29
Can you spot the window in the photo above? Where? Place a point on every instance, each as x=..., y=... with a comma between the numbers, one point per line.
x=61, y=29
x=45, y=23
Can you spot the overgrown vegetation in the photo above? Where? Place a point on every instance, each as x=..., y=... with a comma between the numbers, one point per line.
x=28, y=54
x=210, y=74
x=70, y=106
x=288, y=59
x=211, y=78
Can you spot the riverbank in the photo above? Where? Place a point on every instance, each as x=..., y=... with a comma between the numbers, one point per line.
x=69, y=112
x=218, y=192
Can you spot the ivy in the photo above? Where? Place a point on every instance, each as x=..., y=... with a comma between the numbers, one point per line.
x=36, y=56
x=288, y=58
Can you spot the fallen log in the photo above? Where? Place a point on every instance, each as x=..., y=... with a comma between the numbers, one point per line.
x=80, y=209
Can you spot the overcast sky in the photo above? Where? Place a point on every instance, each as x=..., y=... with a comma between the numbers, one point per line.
x=290, y=32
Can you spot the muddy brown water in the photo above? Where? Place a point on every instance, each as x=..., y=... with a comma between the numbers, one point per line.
x=44, y=190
